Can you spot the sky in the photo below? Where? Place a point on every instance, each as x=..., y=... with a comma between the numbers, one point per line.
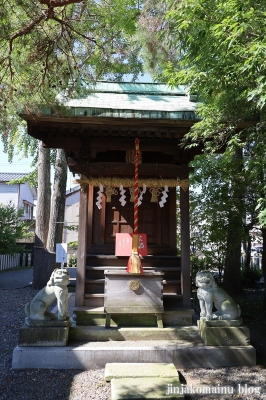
x=22, y=165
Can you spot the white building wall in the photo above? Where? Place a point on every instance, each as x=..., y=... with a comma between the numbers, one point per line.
x=9, y=193
x=25, y=194
x=72, y=198
x=71, y=217
x=25, y=197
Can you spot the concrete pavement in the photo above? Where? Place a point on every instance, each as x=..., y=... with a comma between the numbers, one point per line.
x=16, y=279
x=20, y=278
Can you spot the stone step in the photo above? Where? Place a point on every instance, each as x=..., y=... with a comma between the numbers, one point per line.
x=143, y=381
x=97, y=333
x=91, y=316
x=146, y=388
x=139, y=370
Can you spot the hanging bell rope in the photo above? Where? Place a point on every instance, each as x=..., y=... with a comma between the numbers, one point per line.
x=134, y=263
x=136, y=187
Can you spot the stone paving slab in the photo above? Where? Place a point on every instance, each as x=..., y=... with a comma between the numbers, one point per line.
x=146, y=388
x=139, y=370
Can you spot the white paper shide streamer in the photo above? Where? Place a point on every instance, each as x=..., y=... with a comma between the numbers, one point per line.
x=140, y=199
x=122, y=194
x=99, y=197
x=164, y=196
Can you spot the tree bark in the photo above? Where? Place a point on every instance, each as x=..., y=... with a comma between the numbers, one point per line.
x=42, y=217
x=247, y=250
x=57, y=214
x=232, y=278
x=49, y=220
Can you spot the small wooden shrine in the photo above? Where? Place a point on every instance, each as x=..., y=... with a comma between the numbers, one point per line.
x=98, y=136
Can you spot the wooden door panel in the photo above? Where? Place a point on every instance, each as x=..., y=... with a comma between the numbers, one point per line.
x=118, y=220
x=114, y=218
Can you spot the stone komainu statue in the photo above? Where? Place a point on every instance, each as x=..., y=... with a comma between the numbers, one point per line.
x=208, y=293
x=56, y=289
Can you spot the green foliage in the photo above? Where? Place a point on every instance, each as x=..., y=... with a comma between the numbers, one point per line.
x=63, y=47
x=250, y=276
x=197, y=264
x=221, y=56
x=72, y=228
x=43, y=48
x=72, y=262
x=73, y=244
x=151, y=38
x=223, y=202
x=11, y=229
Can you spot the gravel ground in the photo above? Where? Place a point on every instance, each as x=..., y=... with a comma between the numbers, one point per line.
x=78, y=385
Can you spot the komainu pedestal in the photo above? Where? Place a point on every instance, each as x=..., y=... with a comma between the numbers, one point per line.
x=224, y=332
x=44, y=328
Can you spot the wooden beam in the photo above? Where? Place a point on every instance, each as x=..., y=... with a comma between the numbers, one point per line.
x=185, y=248
x=162, y=145
x=127, y=169
x=90, y=216
x=82, y=248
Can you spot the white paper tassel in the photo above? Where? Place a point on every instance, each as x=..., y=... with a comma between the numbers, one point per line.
x=140, y=199
x=99, y=197
x=164, y=196
x=122, y=193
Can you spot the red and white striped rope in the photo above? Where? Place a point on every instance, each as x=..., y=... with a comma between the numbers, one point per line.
x=136, y=186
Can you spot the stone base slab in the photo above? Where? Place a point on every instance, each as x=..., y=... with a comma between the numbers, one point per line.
x=143, y=370
x=45, y=336
x=96, y=355
x=145, y=388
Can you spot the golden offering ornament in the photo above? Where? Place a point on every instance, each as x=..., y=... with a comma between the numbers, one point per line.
x=134, y=285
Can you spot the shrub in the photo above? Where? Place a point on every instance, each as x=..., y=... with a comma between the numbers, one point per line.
x=12, y=227
x=250, y=276
x=72, y=262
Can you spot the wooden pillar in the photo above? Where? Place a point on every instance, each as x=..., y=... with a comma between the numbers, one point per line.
x=185, y=248
x=82, y=248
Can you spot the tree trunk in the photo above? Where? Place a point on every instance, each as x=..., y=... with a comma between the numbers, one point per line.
x=57, y=214
x=42, y=217
x=248, y=251
x=232, y=279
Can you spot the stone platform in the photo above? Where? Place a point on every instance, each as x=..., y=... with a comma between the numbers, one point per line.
x=93, y=355
x=91, y=347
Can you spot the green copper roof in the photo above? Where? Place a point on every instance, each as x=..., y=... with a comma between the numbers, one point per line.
x=127, y=87
x=134, y=100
